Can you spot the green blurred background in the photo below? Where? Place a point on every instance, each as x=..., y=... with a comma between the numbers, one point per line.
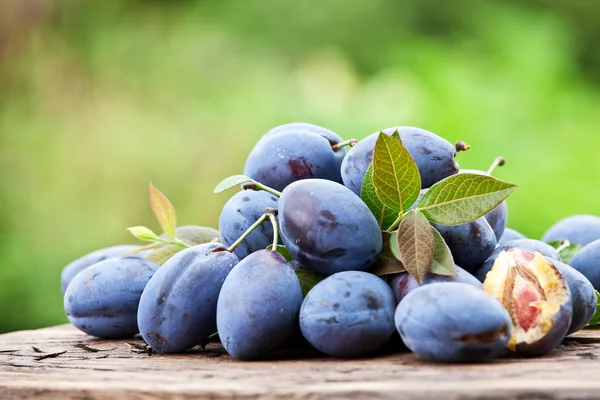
x=98, y=98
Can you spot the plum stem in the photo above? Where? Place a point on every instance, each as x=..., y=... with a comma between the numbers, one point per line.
x=272, y=213
x=462, y=146
x=248, y=232
x=349, y=142
x=563, y=246
x=498, y=162
x=259, y=186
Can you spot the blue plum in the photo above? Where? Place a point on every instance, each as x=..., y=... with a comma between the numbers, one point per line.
x=587, y=261
x=509, y=235
x=295, y=152
x=178, y=308
x=327, y=228
x=349, y=314
x=75, y=267
x=103, y=300
x=583, y=295
x=257, y=309
x=537, y=298
x=403, y=283
x=497, y=219
x=578, y=229
x=453, y=322
x=331, y=136
x=433, y=154
x=239, y=213
x=470, y=243
x=531, y=245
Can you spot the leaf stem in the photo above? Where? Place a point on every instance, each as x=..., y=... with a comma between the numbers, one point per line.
x=563, y=246
x=498, y=162
x=349, y=142
x=396, y=223
x=259, y=186
x=248, y=232
x=175, y=241
x=272, y=212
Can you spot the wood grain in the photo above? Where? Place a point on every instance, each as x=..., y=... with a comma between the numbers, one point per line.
x=84, y=368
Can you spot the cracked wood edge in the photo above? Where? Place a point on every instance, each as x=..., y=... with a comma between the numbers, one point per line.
x=105, y=369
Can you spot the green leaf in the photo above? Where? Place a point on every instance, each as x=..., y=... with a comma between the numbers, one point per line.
x=164, y=253
x=143, y=233
x=395, y=174
x=463, y=198
x=385, y=216
x=164, y=211
x=396, y=135
x=283, y=251
x=566, y=253
x=308, y=279
x=232, y=181
x=194, y=235
x=443, y=262
x=596, y=318
x=416, y=244
x=387, y=263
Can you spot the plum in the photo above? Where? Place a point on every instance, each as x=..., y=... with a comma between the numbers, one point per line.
x=258, y=307
x=239, y=213
x=587, y=261
x=348, y=314
x=103, y=300
x=295, y=152
x=470, y=243
x=178, y=308
x=537, y=298
x=583, y=295
x=73, y=268
x=327, y=228
x=525, y=244
x=403, y=283
x=433, y=154
x=497, y=219
x=578, y=229
x=453, y=322
x=509, y=235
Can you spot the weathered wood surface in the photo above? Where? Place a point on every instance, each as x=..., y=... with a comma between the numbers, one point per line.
x=86, y=368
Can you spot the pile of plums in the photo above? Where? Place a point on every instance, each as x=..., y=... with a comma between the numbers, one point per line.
x=511, y=294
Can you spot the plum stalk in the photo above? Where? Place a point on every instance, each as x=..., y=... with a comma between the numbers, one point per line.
x=271, y=214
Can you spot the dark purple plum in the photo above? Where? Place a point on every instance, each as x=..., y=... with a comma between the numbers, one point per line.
x=327, y=228
x=103, y=300
x=403, y=283
x=75, y=267
x=537, y=298
x=241, y=211
x=509, y=235
x=453, y=322
x=178, y=308
x=578, y=229
x=257, y=309
x=531, y=245
x=295, y=152
x=497, y=219
x=433, y=154
x=583, y=295
x=471, y=243
x=587, y=261
x=349, y=314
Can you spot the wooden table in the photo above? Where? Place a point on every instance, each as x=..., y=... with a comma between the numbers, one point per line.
x=63, y=363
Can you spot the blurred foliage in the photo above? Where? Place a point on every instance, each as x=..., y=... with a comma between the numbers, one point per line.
x=99, y=98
